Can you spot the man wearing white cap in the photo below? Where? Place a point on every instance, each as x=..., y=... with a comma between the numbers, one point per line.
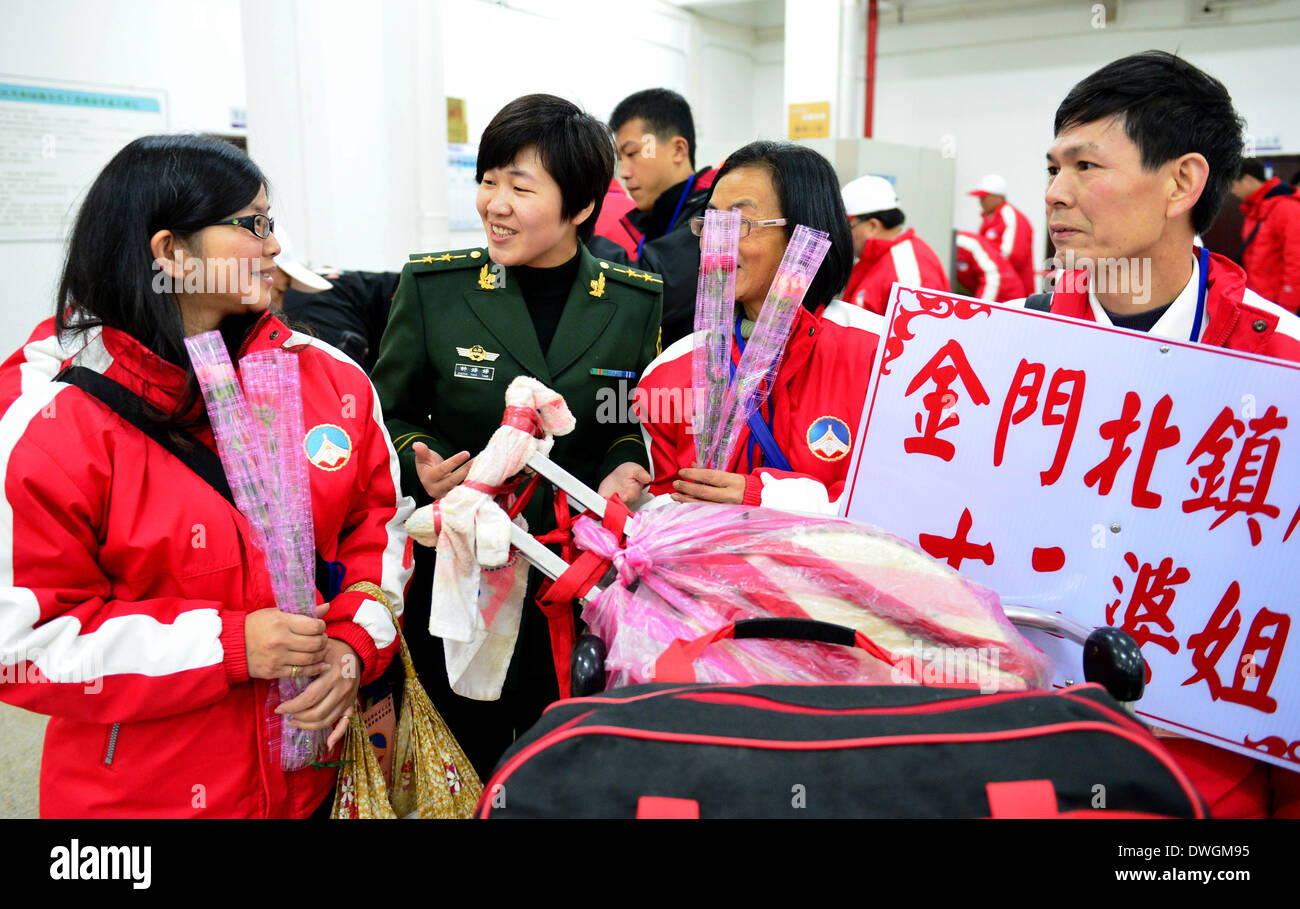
x=886, y=252
x=1007, y=227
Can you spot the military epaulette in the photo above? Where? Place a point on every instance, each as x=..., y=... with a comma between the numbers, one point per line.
x=447, y=261
x=628, y=274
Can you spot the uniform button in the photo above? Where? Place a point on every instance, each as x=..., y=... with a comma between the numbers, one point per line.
x=1259, y=325
x=475, y=254
x=274, y=335
x=604, y=265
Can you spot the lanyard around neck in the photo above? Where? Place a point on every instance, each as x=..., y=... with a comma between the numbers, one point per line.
x=760, y=428
x=1202, y=280
x=672, y=222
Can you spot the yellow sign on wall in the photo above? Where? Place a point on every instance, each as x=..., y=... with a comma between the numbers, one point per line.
x=457, y=128
x=810, y=121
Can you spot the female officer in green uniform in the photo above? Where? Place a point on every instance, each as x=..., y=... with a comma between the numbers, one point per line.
x=534, y=302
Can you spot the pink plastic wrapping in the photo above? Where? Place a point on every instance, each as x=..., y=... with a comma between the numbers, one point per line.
x=690, y=569
x=259, y=432
x=715, y=316
x=762, y=357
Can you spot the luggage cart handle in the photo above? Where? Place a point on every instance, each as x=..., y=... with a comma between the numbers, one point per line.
x=1110, y=655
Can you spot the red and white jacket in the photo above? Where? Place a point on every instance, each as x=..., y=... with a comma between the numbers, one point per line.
x=1272, y=257
x=1238, y=319
x=1235, y=317
x=35, y=363
x=125, y=581
x=905, y=258
x=814, y=411
x=1010, y=231
x=984, y=271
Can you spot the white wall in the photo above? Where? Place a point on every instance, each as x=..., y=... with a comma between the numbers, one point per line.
x=595, y=53
x=992, y=83
x=189, y=48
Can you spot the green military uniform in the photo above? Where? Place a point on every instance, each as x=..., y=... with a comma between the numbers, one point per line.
x=459, y=331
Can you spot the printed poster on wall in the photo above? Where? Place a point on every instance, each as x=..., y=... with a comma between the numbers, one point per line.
x=1112, y=477
x=54, y=140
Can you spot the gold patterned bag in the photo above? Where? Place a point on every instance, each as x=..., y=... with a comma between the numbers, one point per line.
x=432, y=778
x=360, y=792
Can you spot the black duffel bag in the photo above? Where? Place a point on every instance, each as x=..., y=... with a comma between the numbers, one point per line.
x=837, y=751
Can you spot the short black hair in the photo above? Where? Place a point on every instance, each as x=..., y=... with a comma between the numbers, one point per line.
x=665, y=113
x=809, y=194
x=573, y=146
x=889, y=219
x=1169, y=108
x=1252, y=167
x=181, y=183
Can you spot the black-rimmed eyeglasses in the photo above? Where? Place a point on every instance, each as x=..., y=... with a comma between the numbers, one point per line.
x=259, y=225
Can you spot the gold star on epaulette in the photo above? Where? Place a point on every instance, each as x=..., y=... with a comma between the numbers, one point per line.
x=634, y=274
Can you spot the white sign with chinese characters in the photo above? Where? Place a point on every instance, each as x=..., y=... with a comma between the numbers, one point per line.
x=1116, y=478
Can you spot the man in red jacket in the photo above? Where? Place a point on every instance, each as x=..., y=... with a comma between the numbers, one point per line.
x=984, y=272
x=1007, y=227
x=885, y=251
x=1145, y=150
x=1270, y=232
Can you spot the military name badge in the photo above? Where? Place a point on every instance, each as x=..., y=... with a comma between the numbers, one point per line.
x=829, y=438
x=466, y=371
x=328, y=446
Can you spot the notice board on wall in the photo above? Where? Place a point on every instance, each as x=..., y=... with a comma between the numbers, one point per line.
x=54, y=140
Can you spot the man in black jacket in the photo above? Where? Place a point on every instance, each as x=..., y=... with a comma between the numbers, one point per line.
x=654, y=134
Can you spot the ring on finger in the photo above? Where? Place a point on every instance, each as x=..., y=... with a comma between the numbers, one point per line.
x=293, y=673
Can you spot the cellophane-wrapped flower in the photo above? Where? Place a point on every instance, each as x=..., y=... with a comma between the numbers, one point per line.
x=766, y=346
x=715, y=308
x=259, y=430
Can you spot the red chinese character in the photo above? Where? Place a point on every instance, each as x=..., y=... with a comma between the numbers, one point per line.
x=1251, y=477
x=1056, y=397
x=1153, y=596
x=957, y=548
x=1160, y=435
x=941, y=399
x=1209, y=645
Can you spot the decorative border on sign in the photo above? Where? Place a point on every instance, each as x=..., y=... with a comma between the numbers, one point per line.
x=941, y=306
x=1276, y=746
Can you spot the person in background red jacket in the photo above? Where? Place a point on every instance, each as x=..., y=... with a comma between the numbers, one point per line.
x=885, y=251
x=609, y=225
x=1007, y=227
x=983, y=272
x=1270, y=233
x=1145, y=151
x=818, y=392
x=138, y=611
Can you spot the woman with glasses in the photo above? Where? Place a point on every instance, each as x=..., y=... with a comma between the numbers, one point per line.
x=134, y=608
x=533, y=302
x=794, y=452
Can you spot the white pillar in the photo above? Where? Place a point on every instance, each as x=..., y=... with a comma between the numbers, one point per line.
x=815, y=59
x=347, y=117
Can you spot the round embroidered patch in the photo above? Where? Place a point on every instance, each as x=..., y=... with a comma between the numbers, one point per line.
x=328, y=446
x=829, y=438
